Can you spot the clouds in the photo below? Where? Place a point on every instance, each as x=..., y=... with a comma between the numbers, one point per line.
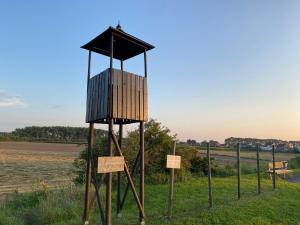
x=10, y=101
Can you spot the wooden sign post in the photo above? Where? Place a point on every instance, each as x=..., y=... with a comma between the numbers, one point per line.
x=173, y=162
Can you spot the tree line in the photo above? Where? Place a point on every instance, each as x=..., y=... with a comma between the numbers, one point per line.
x=54, y=134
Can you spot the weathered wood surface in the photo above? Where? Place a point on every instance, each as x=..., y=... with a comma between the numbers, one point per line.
x=128, y=98
x=173, y=161
x=109, y=164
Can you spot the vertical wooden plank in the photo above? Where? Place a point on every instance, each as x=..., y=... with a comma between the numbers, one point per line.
x=145, y=99
x=88, y=103
x=116, y=99
x=94, y=98
x=124, y=93
x=106, y=94
x=137, y=96
x=133, y=112
x=128, y=102
x=120, y=109
x=104, y=86
x=101, y=96
x=115, y=94
x=141, y=94
x=97, y=97
x=91, y=104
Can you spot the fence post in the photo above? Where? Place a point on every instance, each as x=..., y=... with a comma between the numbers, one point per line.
x=258, y=168
x=273, y=156
x=209, y=177
x=171, y=187
x=238, y=171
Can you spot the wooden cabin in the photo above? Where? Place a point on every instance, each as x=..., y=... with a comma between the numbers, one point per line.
x=117, y=94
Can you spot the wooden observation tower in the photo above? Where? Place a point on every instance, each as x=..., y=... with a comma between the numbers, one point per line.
x=116, y=97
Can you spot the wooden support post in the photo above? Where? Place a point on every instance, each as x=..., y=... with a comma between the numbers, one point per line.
x=210, y=200
x=258, y=169
x=238, y=171
x=142, y=172
x=109, y=176
x=145, y=63
x=274, y=175
x=88, y=161
x=97, y=188
x=119, y=175
x=171, y=187
x=110, y=149
x=120, y=143
x=88, y=174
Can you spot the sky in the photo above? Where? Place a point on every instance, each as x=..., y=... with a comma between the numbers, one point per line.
x=220, y=68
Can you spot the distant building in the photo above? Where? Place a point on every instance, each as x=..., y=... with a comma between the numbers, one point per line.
x=266, y=148
x=5, y=134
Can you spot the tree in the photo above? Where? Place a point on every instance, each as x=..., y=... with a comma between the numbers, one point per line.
x=158, y=143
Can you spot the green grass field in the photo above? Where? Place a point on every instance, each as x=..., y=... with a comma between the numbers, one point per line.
x=64, y=207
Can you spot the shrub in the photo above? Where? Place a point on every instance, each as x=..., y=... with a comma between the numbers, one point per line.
x=224, y=171
x=294, y=162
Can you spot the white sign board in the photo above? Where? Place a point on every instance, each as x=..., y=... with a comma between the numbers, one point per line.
x=109, y=164
x=173, y=161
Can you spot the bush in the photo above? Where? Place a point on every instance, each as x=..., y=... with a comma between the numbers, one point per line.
x=224, y=171
x=294, y=162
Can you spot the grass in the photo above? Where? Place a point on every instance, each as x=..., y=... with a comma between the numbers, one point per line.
x=248, y=158
x=64, y=207
x=25, y=165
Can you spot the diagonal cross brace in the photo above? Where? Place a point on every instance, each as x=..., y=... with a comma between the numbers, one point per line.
x=129, y=176
x=97, y=187
x=131, y=173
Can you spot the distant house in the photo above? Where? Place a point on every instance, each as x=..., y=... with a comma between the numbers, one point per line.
x=4, y=134
x=266, y=148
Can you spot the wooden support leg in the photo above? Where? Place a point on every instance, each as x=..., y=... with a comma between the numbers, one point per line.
x=88, y=174
x=109, y=176
x=97, y=188
x=142, y=172
x=119, y=175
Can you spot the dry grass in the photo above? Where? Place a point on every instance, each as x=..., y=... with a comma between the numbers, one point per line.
x=26, y=166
